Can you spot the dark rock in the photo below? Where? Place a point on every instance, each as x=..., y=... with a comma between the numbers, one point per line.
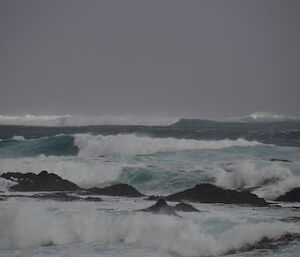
x=60, y=196
x=92, y=199
x=279, y=160
x=44, y=181
x=116, y=190
x=161, y=207
x=291, y=196
x=185, y=207
x=207, y=193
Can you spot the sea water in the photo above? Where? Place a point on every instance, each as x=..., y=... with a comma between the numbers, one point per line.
x=156, y=160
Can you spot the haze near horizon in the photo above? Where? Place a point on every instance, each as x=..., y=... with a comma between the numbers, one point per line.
x=200, y=59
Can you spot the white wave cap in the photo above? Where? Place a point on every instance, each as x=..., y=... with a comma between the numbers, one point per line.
x=264, y=116
x=80, y=120
x=29, y=225
x=269, y=115
x=5, y=184
x=132, y=144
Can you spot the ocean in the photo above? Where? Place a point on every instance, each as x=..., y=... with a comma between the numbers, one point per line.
x=157, y=157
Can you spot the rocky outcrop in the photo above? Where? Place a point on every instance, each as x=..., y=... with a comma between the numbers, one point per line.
x=116, y=190
x=207, y=193
x=161, y=207
x=291, y=196
x=44, y=181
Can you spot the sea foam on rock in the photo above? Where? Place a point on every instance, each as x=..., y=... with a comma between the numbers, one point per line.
x=207, y=193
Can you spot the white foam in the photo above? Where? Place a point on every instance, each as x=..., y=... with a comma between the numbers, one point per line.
x=275, y=190
x=18, y=138
x=73, y=120
x=132, y=144
x=29, y=226
x=85, y=173
x=271, y=180
x=245, y=174
x=5, y=184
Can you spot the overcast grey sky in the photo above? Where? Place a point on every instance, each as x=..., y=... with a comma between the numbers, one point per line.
x=203, y=58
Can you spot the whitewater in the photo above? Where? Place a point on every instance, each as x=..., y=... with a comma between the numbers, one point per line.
x=157, y=157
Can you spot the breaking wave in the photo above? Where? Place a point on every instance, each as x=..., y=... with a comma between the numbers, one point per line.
x=93, y=146
x=30, y=226
x=86, y=145
x=269, y=181
x=20, y=147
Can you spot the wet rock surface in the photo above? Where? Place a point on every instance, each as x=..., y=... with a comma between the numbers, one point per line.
x=44, y=181
x=161, y=207
x=116, y=190
x=291, y=196
x=207, y=193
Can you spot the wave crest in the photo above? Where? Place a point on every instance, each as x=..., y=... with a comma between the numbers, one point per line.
x=132, y=144
x=180, y=236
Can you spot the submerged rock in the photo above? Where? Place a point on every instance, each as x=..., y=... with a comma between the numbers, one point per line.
x=185, y=207
x=44, y=181
x=279, y=160
x=207, y=193
x=291, y=196
x=161, y=207
x=116, y=190
x=92, y=199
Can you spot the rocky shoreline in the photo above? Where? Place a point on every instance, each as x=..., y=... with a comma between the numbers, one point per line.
x=60, y=189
